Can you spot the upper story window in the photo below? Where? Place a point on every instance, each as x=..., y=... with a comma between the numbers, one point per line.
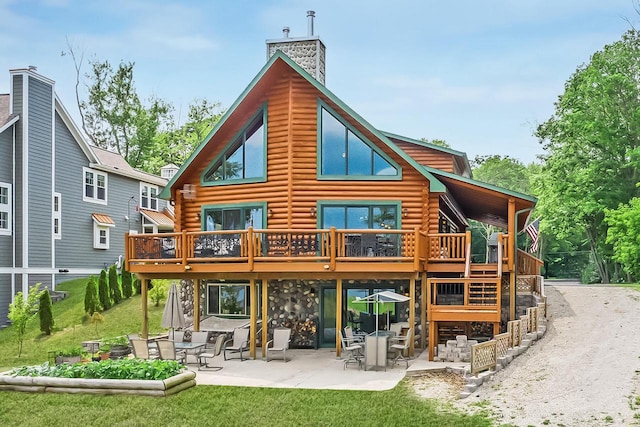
x=57, y=216
x=95, y=186
x=5, y=208
x=346, y=154
x=148, y=196
x=244, y=159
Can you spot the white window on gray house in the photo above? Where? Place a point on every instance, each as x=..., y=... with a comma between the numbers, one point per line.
x=95, y=186
x=101, y=225
x=57, y=216
x=5, y=208
x=148, y=196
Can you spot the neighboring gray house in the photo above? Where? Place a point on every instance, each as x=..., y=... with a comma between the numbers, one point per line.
x=64, y=204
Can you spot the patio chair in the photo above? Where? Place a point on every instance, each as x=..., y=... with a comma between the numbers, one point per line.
x=217, y=349
x=352, y=352
x=176, y=336
x=167, y=351
x=353, y=337
x=238, y=344
x=141, y=349
x=199, y=337
x=401, y=345
x=280, y=342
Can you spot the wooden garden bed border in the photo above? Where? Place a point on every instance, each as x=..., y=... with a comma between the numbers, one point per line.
x=166, y=387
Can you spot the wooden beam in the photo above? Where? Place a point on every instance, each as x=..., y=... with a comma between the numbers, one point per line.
x=265, y=313
x=338, y=315
x=253, y=313
x=432, y=337
x=423, y=310
x=144, y=287
x=412, y=313
x=512, y=230
x=196, y=305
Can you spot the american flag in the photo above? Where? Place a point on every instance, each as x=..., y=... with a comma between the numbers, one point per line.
x=532, y=231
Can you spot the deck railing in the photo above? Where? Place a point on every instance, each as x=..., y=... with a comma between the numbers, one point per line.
x=465, y=293
x=448, y=247
x=528, y=264
x=269, y=245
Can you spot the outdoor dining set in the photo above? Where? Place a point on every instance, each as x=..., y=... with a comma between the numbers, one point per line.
x=377, y=349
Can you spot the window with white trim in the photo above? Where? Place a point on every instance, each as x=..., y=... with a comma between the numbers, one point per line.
x=95, y=186
x=5, y=208
x=148, y=196
x=100, y=236
x=57, y=216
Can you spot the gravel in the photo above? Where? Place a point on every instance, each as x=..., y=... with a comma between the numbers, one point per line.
x=585, y=371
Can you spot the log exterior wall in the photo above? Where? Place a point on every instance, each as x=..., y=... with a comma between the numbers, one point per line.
x=292, y=187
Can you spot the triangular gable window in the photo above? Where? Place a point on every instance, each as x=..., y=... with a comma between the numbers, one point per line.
x=244, y=159
x=345, y=154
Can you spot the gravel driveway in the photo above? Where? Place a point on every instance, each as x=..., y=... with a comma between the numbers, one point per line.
x=583, y=372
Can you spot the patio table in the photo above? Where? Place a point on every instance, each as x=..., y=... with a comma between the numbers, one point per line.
x=194, y=347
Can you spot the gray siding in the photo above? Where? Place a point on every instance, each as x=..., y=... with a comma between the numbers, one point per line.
x=46, y=280
x=5, y=297
x=40, y=158
x=6, y=175
x=17, y=213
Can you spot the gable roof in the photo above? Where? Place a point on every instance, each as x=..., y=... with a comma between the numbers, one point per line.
x=6, y=119
x=484, y=202
x=274, y=62
x=459, y=155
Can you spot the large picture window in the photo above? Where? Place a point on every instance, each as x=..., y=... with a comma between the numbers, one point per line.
x=383, y=217
x=345, y=154
x=244, y=159
x=233, y=218
x=228, y=299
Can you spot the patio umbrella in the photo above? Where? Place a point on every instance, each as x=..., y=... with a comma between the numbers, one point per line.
x=173, y=315
x=382, y=297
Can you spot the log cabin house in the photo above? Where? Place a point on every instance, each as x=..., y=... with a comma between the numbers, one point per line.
x=295, y=205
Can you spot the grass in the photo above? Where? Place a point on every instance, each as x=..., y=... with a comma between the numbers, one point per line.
x=201, y=405
x=72, y=327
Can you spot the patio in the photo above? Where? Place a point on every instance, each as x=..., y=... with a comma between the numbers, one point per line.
x=312, y=369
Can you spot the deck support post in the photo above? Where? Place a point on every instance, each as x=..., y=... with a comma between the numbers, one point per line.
x=253, y=317
x=423, y=310
x=196, y=305
x=412, y=313
x=265, y=320
x=432, y=338
x=338, y=316
x=512, y=229
x=144, y=287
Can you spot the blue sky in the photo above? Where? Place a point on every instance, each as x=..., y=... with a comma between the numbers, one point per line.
x=479, y=75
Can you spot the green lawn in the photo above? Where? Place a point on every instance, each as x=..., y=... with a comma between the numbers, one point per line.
x=201, y=405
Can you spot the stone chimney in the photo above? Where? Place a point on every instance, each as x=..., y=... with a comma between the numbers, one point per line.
x=308, y=52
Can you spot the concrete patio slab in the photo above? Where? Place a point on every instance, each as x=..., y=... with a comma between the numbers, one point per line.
x=314, y=369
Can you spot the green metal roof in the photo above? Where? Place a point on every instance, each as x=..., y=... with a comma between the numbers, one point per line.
x=481, y=184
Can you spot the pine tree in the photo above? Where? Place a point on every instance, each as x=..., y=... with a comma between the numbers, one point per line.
x=91, y=300
x=127, y=286
x=114, y=285
x=103, y=291
x=45, y=312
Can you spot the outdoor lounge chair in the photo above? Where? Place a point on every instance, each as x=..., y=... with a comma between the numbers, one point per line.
x=401, y=344
x=217, y=349
x=352, y=352
x=167, y=351
x=280, y=342
x=239, y=342
x=141, y=349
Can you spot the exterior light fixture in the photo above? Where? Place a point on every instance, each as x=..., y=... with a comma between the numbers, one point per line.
x=270, y=213
x=312, y=212
x=405, y=212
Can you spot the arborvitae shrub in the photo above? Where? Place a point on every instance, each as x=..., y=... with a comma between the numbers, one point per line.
x=103, y=291
x=127, y=286
x=114, y=285
x=45, y=312
x=91, y=300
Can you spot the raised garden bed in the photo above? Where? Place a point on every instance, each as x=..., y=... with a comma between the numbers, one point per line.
x=27, y=379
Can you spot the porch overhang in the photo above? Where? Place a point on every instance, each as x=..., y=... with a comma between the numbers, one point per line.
x=160, y=219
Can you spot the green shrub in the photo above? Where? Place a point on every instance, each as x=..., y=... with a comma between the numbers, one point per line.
x=158, y=292
x=120, y=369
x=103, y=291
x=91, y=301
x=71, y=351
x=127, y=286
x=22, y=310
x=137, y=285
x=114, y=285
x=45, y=312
